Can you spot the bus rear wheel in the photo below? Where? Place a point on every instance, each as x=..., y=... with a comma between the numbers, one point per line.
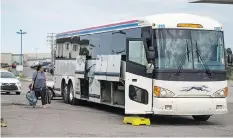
x=201, y=117
x=71, y=95
x=65, y=93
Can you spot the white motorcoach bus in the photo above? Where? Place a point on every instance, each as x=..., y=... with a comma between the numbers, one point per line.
x=166, y=64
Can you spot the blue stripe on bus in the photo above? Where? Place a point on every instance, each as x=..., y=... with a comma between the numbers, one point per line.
x=99, y=30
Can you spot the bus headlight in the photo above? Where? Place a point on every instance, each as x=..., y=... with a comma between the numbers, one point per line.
x=161, y=92
x=221, y=93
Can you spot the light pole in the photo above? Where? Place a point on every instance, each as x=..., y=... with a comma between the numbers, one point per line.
x=21, y=51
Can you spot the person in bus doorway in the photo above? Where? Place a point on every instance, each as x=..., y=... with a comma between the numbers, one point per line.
x=39, y=85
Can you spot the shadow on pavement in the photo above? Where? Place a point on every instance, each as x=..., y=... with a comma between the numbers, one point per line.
x=177, y=120
x=12, y=93
x=155, y=120
x=12, y=104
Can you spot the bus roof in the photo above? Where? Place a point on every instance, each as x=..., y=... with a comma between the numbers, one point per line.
x=156, y=21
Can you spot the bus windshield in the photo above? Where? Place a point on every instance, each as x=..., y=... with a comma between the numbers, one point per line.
x=191, y=49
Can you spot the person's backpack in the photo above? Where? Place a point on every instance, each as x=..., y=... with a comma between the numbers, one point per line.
x=31, y=98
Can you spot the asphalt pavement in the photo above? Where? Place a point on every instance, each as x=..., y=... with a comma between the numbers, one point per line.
x=60, y=119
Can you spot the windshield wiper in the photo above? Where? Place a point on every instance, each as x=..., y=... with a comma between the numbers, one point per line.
x=183, y=59
x=202, y=60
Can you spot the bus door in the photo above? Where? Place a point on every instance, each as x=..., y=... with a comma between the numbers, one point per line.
x=138, y=87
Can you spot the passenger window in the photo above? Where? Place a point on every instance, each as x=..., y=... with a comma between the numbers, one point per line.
x=138, y=95
x=137, y=52
x=118, y=42
x=75, y=47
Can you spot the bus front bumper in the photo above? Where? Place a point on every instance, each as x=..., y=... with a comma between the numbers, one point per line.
x=189, y=106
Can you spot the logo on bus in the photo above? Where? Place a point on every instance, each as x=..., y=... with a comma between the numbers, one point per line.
x=198, y=88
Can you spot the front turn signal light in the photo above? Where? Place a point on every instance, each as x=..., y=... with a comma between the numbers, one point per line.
x=226, y=91
x=157, y=91
x=162, y=92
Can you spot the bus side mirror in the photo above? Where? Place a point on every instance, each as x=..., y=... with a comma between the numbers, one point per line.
x=229, y=58
x=151, y=53
x=150, y=58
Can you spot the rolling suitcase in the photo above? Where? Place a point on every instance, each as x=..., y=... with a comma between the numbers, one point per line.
x=48, y=96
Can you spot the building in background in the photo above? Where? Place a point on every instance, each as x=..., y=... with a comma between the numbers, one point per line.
x=28, y=58
x=10, y=58
x=6, y=58
x=31, y=58
x=36, y=56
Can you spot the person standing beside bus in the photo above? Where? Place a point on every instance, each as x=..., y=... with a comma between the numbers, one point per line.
x=39, y=84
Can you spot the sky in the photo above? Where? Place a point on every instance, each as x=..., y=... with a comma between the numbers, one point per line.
x=39, y=17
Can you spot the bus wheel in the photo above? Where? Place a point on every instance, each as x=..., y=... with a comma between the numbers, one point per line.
x=65, y=93
x=72, y=99
x=201, y=117
x=70, y=93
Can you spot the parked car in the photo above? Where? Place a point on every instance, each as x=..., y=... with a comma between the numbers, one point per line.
x=45, y=66
x=4, y=65
x=45, y=63
x=50, y=69
x=9, y=83
x=34, y=65
x=50, y=85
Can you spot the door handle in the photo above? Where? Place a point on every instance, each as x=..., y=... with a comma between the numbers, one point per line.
x=134, y=80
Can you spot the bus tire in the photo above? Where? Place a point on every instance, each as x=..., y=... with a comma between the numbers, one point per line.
x=64, y=93
x=72, y=99
x=201, y=117
x=70, y=93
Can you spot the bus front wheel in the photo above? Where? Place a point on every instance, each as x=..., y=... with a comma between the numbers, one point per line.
x=201, y=117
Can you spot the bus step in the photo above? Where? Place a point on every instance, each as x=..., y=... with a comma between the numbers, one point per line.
x=136, y=121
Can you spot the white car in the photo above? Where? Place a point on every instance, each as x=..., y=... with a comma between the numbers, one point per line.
x=50, y=85
x=9, y=82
